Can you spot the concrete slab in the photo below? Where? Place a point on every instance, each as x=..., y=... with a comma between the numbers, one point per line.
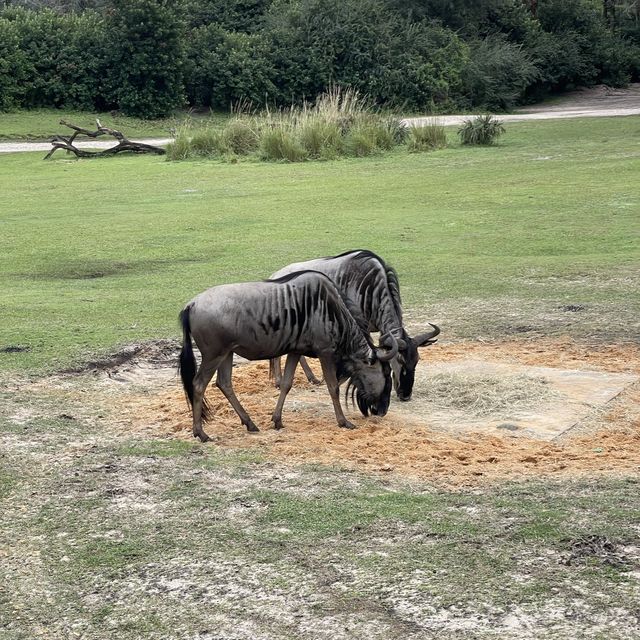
x=575, y=394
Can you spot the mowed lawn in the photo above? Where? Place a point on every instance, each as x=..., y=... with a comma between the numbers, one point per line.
x=488, y=242
x=109, y=533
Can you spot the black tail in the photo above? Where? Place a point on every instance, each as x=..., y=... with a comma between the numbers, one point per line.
x=187, y=363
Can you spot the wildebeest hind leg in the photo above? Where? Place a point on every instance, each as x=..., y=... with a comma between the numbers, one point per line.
x=285, y=386
x=307, y=371
x=275, y=371
x=223, y=382
x=331, y=379
x=200, y=383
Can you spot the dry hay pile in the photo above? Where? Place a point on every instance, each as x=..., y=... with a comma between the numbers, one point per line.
x=409, y=446
x=484, y=395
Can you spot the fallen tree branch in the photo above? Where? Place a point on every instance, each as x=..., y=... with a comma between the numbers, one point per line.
x=124, y=144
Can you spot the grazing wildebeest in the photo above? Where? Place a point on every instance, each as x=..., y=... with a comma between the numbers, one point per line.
x=300, y=314
x=363, y=277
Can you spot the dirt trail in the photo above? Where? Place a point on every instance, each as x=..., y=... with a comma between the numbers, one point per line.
x=600, y=101
x=586, y=103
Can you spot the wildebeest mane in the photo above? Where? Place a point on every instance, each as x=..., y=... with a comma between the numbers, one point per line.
x=352, y=307
x=392, y=276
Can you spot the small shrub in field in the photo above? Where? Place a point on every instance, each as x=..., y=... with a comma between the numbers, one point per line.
x=240, y=137
x=280, y=144
x=483, y=130
x=427, y=137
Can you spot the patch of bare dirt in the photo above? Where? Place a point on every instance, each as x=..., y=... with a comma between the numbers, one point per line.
x=402, y=444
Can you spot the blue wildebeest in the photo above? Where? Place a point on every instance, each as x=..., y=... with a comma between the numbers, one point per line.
x=373, y=286
x=300, y=314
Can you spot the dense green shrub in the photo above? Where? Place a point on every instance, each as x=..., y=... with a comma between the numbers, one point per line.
x=231, y=15
x=63, y=56
x=224, y=68
x=362, y=44
x=146, y=45
x=497, y=74
x=145, y=56
x=14, y=67
x=482, y=130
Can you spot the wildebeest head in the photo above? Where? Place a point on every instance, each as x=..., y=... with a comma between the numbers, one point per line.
x=370, y=380
x=405, y=363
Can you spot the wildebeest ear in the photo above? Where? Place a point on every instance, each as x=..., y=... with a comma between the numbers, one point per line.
x=426, y=339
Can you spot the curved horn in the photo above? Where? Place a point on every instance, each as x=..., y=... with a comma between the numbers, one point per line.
x=425, y=339
x=399, y=333
x=386, y=354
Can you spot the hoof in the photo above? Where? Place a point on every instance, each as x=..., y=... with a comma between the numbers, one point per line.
x=347, y=425
x=202, y=436
x=278, y=426
x=252, y=428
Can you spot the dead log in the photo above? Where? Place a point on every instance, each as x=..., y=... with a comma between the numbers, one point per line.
x=124, y=144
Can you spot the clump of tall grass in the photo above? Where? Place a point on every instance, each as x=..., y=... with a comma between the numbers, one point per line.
x=241, y=136
x=281, y=144
x=206, y=142
x=320, y=138
x=180, y=148
x=483, y=130
x=427, y=137
x=340, y=122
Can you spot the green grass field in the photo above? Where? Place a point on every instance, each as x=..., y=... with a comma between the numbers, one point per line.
x=109, y=532
x=487, y=241
x=41, y=124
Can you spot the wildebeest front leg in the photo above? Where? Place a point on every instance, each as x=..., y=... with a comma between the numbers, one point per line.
x=307, y=371
x=285, y=386
x=329, y=373
x=223, y=382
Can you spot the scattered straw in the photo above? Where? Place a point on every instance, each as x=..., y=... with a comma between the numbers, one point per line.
x=483, y=395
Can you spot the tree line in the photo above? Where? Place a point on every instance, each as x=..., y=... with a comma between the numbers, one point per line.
x=149, y=57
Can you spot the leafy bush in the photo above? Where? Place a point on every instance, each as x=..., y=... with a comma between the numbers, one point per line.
x=482, y=130
x=62, y=57
x=13, y=67
x=427, y=137
x=224, y=68
x=146, y=48
x=497, y=74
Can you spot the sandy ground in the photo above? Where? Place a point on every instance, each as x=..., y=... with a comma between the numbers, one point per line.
x=144, y=397
x=586, y=103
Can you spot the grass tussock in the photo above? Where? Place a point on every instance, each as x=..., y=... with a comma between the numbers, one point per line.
x=339, y=123
x=484, y=395
x=428, y=137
